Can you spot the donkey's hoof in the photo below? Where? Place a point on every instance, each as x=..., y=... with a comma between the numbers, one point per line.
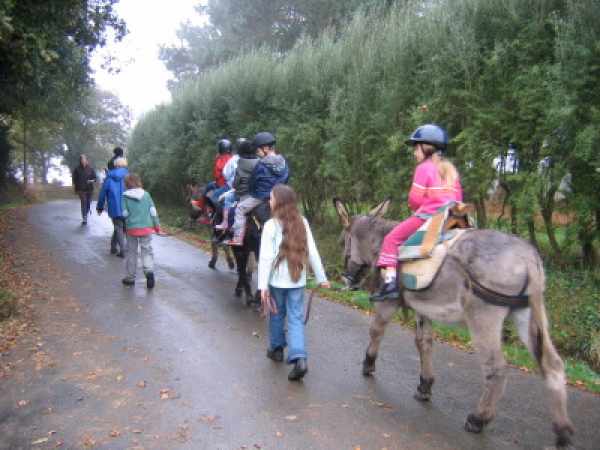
x=475, y=424
x=212, y=264
x=423, y=393
x=368, y=365
x=564, y=436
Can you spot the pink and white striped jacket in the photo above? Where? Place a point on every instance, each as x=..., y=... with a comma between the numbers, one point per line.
x=428, y=193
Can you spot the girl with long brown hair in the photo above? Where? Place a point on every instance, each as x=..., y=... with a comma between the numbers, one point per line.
x=287, y=247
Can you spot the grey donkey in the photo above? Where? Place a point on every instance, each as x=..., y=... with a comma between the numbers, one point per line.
x=486, y=277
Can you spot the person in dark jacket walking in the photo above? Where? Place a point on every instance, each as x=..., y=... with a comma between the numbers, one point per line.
x=111, y=194
x=271, y=170
x=117, y=153
x=83, y=183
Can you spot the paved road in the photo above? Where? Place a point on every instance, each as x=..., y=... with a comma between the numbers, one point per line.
x=184, y=367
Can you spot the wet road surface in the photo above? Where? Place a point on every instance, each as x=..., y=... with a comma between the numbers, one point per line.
x=184, y=367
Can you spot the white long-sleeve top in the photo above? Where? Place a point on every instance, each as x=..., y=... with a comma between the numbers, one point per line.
x=279, y=276
x=229, y=170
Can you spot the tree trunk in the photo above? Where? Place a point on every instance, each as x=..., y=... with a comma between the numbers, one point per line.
x=588, y=252
x=531, y=229
x=514, y=225
x=547, y=209
x=45, y=167
x=24, y=153
x=481, y=212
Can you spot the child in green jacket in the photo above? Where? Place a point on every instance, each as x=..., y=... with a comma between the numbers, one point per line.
x=141, y=220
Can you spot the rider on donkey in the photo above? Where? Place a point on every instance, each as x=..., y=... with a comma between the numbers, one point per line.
x=272, y=169
x=435, y=183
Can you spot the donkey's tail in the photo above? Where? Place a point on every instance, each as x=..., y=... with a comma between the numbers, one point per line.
x=550, y=363
x=539, y=333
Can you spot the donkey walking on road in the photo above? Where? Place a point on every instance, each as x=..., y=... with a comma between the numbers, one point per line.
x=486, y=277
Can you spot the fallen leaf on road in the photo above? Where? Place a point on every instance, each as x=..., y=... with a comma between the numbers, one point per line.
x=255, y=334
x=119, y=378
x=386, y=435
x=136, y=431
x=59, y=444
x=21, y=403
x=279, y=434
x=40, y=441
x=115, y=433
x=291, y=418
x=345, y=405
x=141, y=384
x=208, y=419
x=164, y=394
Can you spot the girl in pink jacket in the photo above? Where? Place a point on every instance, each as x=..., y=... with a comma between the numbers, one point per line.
x=435, y=183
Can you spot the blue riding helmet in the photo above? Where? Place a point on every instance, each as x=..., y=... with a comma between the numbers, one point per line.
x=429, y=134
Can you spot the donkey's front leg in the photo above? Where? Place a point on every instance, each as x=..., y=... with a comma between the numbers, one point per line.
x=486, y=335
x=383, y=314
x=424, y=343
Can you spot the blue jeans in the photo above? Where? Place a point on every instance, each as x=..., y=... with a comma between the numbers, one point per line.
x=290, y=302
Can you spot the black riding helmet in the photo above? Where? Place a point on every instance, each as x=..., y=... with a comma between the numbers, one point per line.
x=245, y=147
x=263, y=138
x=224, y=146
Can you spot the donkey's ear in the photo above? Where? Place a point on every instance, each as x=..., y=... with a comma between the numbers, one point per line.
x=342, y=212
x=380, y=210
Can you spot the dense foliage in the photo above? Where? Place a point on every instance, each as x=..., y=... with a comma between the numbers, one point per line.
x=341, y=105
x=45, y=74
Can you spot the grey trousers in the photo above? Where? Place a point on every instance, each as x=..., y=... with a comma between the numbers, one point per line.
x=145, y=244
x=118, y=236
x=85, y=197
x=242, y=209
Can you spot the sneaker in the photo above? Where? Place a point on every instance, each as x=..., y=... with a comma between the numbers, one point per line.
x=150, y=280
x=299, y=370
x=276, y=354
x=389, y=291
x=113, y=251
x=128, y=281
x=84, y=222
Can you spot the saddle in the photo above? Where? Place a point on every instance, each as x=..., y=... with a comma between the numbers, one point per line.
x=424, y=252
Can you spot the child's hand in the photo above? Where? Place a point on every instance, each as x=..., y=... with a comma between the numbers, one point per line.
x=325, y=285
x=267, y=302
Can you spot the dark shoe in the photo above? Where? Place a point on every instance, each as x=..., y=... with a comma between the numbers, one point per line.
x=389, y=291
x=84, y=222
x=276, y=354
x=299, y=370
x=128, y=281
x=113, y=251
x=150, y=280
x=121, y=255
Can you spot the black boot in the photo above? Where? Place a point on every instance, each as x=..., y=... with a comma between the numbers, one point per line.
x=276, y=354
x=299, y=370
x=150, y=280
x=389, y=291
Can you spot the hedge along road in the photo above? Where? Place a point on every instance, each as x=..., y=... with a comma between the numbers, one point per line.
x=184, y=366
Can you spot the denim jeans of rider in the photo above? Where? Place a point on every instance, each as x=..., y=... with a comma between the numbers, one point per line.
x=290, y=304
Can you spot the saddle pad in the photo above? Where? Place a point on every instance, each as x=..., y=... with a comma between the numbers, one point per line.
x=418, y=274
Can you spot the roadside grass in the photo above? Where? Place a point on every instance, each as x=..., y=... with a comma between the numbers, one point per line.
x=572, y=301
